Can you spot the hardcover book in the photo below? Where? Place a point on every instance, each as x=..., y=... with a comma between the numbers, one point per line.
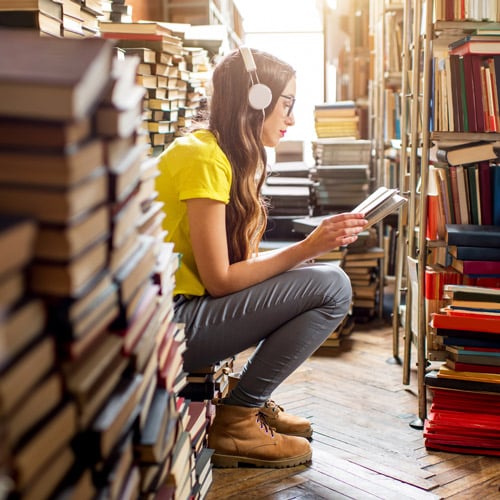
x=472, y=235
x=52, y=78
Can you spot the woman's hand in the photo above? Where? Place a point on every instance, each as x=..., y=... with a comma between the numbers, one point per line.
x=335, y=231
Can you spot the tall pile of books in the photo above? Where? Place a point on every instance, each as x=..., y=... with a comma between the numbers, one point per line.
x=465, y=387
x=89, y=334
x=464, y=415
x=174, y=76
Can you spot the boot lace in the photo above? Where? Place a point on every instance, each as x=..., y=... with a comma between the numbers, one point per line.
x=273, y=406
x=261, y=420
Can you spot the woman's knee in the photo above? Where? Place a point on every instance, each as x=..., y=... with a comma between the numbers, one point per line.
x=337, y=285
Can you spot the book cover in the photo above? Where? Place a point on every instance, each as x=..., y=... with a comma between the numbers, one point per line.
x=495, y=204
x=50, y=78
x=475, y=44
x=43, y=135
x=465, y=153
x=472, y=367
x=476, y=267
x=433, y=381
x=56, y=205
x=151, y=446
x=17, y=237
x=469, y=323
x=473, y=235
x=445, y=372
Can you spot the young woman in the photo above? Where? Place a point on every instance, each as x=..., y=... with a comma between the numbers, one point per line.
x=230, y=296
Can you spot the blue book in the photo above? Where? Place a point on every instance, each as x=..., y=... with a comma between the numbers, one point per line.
x=495, y=181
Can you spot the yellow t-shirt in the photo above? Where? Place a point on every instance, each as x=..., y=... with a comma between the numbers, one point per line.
x=193, y=166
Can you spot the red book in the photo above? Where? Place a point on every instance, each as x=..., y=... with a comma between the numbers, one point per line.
x=476, y=267
x=471, y=322
x=475, y=64
x=470, y=45
x=485, y=191
x=471, y=367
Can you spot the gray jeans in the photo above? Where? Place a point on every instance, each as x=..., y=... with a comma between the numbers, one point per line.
x=287, y=317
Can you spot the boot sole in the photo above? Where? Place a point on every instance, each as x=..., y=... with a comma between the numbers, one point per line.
x=233, y=461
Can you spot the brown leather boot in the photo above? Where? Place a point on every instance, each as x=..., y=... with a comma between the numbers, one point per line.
x=241, y=435
x=285, y=423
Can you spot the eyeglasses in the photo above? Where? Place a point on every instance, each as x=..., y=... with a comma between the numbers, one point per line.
x=290, y=106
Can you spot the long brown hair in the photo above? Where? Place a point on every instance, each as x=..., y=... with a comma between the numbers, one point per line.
x=237, y=127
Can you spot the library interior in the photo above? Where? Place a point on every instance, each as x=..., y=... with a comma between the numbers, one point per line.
x=106, y=282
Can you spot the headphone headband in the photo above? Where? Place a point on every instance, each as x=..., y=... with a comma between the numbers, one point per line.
x=259, y=95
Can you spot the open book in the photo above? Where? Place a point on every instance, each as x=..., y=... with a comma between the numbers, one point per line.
x=382, y=202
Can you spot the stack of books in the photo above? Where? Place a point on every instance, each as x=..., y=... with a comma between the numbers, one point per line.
x=289, y=189
x=209, y=382
x=341, y=173
x=53, y=18
x=116, y=11
x=473, y=252
x=463, y=417
x=162, y=72
x=338, y=119
x=362, y=267
x=339, y=187
x=93, y=321
x=341, y=151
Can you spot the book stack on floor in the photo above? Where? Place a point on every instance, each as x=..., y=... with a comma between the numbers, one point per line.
x=336, y=119
x=464, y=416
x=97, y=328
x=465, y=387
x=362, y=264
x=341, y=173
x=289, y=191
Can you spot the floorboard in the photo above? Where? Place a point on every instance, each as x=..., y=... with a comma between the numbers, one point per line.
x=363, y=444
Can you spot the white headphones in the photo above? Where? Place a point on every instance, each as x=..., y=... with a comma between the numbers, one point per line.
x=259, y=95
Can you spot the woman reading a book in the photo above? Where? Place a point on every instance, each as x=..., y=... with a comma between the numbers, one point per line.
x=230, y=296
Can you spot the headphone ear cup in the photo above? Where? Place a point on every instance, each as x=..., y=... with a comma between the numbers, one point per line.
x=259, y=96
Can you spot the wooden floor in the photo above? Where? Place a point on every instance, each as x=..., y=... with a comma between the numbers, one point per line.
x=363, y=445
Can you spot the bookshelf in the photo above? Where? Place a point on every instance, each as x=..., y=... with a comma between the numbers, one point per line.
x=432, y=30
x=206, y=12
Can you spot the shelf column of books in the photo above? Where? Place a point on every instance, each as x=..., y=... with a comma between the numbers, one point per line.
x=462, y=230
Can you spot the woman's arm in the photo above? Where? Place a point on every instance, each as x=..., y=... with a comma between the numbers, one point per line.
x=207, y=224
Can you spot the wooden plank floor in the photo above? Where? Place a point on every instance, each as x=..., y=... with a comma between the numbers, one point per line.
x=363, y=445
